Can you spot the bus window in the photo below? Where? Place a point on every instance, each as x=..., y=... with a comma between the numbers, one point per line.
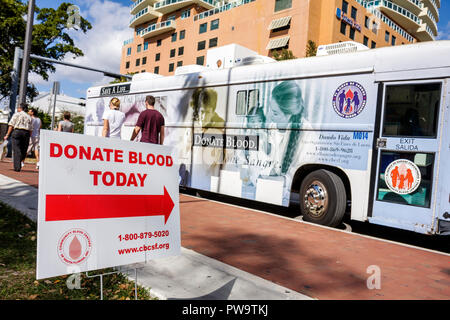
x=241, y=103
x=412, y=110
x=399, y=178
x=253, y=99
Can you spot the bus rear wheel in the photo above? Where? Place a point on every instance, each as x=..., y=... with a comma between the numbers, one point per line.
x=323, y=198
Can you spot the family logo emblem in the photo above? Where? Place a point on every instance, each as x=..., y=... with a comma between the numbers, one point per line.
x=402, y=176
x=74, y=246
x=349, y=99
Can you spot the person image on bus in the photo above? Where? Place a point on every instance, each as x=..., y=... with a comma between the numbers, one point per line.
x=207, y=122
x=341, y=101
x=286, y=111
x=394, y=176
x=258, y=160
x=113, y=120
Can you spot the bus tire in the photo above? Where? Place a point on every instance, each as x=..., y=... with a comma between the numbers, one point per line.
x=323, y=198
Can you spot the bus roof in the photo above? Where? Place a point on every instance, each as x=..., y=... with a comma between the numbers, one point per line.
x=430, y=56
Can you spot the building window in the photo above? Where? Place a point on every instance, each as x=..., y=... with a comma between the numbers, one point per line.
x=214, y=24
x=172, y=17
x=174, y=37
x=374, y=45
x=128, y=51
x=344, y=6
x=144, y=60
x=156, y=70
x=393, y=40
x=138, y=62
x=213, y=42
x=367, y=22
x=171, y=67
x=374, y=27
x=158, y=57
x=180, y=51
x=127, y=65
x=386, y=36
x=203, y=27
x=179, y=63
x=186, y=14
x=145, y=46
x=366, y=41
x=282, y=4
x=201, y=45
x=343, y=27
x=352, y=33
x=172, y=53
x=354, y=13
x=139, y=47
x=200, y=60
x=182, y=34
x=158, y=42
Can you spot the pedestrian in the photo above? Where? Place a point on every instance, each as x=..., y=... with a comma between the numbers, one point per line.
x=113, y=120
x=151, y=122
x=66, y=125
x=20, y=126
x=34, y=139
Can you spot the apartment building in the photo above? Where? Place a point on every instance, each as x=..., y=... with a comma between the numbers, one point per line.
x=173, y=33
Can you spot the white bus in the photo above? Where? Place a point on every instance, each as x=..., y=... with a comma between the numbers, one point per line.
x=365, y=133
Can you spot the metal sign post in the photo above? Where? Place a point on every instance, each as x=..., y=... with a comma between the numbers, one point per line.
x=115, y=272
x=55, y=92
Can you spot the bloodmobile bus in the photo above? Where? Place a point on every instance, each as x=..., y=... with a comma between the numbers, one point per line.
x=365, y=133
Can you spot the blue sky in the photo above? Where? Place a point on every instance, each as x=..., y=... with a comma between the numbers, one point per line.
x=102, y=45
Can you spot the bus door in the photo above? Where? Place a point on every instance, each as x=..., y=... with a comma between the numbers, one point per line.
x=406, y=155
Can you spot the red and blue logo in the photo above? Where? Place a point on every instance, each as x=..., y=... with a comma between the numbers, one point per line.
x=349, y=99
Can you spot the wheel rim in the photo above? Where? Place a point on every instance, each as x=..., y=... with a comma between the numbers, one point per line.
x=316, y=199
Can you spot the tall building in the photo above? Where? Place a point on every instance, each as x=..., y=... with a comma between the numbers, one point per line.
x=172, y=33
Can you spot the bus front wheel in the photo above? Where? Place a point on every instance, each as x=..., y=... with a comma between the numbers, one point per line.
x=323, y=198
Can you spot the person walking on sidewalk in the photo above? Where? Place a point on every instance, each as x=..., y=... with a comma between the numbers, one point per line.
x=34, y=139
x=21, y=127
x=151, y=122
x=66, y=125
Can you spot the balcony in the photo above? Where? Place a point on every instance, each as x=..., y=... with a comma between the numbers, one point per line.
x=428, y=18
x=433, y=6
x=415, y=6
x=167, y=6
x=140, y=5
x=424, y=33
x=145, y=15
x=158, y=28
x=403, y=17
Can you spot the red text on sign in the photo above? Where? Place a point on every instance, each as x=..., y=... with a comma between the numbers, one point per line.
x=71, y=152
x=119, y=179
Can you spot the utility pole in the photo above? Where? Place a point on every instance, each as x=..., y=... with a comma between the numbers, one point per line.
x=26, y=54
x=18, y=54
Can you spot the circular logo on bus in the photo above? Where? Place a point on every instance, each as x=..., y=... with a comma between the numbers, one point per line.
x=74, y=246
x=402, y=176
x=349, y=99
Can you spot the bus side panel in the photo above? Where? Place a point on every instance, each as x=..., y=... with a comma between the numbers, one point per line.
x=443, y=206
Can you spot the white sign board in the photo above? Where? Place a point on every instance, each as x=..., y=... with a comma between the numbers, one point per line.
x=104, y=202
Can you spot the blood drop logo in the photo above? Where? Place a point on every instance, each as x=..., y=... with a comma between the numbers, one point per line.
x=74, y=246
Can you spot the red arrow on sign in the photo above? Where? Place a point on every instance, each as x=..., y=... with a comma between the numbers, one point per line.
x=62, y=207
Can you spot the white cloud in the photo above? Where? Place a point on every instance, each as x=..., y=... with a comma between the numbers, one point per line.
x=444, y=33
x=102, y=45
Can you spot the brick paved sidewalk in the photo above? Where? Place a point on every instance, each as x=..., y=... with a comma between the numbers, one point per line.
x=319, y=262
